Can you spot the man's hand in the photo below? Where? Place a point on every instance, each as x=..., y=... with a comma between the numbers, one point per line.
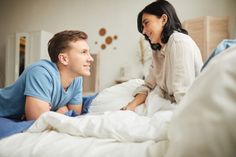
x=63, y=110
x=35, y=107
x=76, y=108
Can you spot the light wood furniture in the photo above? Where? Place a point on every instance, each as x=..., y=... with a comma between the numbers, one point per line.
x=207, y=32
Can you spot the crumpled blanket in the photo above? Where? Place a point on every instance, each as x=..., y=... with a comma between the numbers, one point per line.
x=120, y=125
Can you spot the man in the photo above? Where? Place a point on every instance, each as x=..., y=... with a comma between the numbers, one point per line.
x=54, y=85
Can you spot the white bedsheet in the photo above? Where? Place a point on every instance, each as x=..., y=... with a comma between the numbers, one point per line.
x=115, y=97
x=55, y=144
x=125, y=126
x=116, y=134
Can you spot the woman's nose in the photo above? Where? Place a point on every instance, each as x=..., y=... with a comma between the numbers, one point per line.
x=144, y=31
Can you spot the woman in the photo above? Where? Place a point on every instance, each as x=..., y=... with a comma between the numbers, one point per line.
x=176, y=58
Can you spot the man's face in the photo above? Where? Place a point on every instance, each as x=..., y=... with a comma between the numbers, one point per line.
x=79, y=58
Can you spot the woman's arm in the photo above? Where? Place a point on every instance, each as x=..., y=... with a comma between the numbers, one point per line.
x=183, y=60
x=139, y=99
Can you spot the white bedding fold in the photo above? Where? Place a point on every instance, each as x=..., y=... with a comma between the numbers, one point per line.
x=119, y=125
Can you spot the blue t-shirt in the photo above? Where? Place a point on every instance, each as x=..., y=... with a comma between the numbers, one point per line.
x=40, y=80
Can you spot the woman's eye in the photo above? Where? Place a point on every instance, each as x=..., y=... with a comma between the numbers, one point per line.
x=145, y=23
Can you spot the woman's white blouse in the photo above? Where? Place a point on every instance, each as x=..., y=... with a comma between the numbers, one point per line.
x=174, y=68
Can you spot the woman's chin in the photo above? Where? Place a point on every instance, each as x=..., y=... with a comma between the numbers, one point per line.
x=153, y=42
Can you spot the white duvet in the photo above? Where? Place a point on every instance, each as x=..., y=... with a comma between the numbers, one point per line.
x=125, y=126
x=51, y=143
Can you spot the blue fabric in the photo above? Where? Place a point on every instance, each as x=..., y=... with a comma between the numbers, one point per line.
x=71, y=113
x=10, y=126
x=87, y=100
x=40, y=80
x=226, y=43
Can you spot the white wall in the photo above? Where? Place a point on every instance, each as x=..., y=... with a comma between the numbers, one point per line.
x=118, y=17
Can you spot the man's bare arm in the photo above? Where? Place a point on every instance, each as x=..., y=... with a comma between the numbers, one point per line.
x=77, y=108
x=35, y=107
x=62, y=110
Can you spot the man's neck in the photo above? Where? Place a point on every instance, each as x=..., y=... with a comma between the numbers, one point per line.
x=66, y=80
x=65, y=76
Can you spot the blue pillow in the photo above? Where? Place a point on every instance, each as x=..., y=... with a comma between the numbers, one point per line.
x=87, y=100
x=226, y=43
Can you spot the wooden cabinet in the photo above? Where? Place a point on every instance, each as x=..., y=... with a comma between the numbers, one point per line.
x=207, y=32
x=24, y=49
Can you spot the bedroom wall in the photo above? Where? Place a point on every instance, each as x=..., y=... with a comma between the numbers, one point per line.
x=118, y=17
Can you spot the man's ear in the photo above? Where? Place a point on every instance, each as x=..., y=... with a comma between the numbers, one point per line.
x=164, y=19
x=63, y=58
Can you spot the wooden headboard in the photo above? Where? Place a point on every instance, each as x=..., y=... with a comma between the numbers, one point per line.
x=207, y=32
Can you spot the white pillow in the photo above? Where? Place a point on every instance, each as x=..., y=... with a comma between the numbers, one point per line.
x=115, y=97
x=204, y=124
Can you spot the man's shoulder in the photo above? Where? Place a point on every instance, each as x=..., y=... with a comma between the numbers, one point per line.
x=77, y=83
x=43, y=67
x=78, y=80
x=43, y=63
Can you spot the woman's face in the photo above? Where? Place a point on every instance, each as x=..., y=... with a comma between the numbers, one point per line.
x=153, y=27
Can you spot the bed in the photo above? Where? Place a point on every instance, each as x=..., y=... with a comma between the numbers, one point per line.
x=202, y=125
x=105, y=131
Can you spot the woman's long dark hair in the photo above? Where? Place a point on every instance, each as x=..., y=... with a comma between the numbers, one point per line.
x=158, y=8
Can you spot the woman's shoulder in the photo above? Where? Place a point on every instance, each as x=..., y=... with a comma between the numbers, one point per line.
x=178, y=37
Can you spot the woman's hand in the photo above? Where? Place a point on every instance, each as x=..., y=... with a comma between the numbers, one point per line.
x=131, y=106
x=139, y=99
